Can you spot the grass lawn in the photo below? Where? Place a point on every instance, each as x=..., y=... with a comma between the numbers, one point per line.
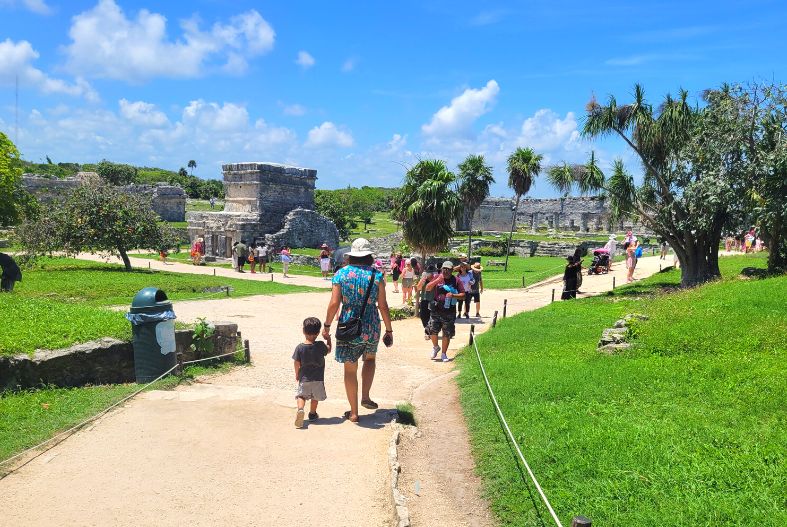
x=203, y=205
x=61, y=301
x=32, y=416
x=381, y=225
x=687, y=428
x=533, y=269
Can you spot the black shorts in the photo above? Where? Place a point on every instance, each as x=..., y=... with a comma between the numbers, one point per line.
x=396, y=273
x=442, y=320
x=473, y=297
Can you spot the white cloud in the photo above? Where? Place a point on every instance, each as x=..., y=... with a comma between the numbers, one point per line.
x=15, y=59
x=36, y=6
x=214, y=117
x=142, y=113
x=547, y=131
x=349, y=65
x=457, y=118
x=106, y=43
x=292, y=109
x=305, y=60
x=327, y=134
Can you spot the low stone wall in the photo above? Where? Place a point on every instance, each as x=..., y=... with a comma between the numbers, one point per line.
x=304, y=228
x=103, y=361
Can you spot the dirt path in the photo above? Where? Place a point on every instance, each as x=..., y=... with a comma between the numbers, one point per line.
x=224, y=451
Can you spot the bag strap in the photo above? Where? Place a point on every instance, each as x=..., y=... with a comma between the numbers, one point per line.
x=366, y=296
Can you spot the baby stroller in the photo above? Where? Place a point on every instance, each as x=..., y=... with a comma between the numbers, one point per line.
x=600, y=263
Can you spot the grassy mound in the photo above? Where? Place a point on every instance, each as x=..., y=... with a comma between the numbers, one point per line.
x=686, y=428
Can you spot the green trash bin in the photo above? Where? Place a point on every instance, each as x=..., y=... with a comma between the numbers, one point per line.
x=153, y=334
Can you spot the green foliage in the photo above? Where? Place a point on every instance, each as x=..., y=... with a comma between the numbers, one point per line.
x=349, y=206
x=202, y=344
x=59, y=170
x=406, y=413
x=116, y=173
x=192, y=165
x=15, y=202
x=498, y=249
x=687, y=428
x=523, y=167
x=332, y=207
x=97, y=218
x=427, y=205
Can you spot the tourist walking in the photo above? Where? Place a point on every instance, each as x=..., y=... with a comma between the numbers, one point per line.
x=396, y=270
x=261, y=256
x=212, y=202
x=408, y=279
x=197, y=251
x=325, y=260
x=477, y=287
x=425, y=297
x=309, y=362
x=570, y=279
x=11, y=273
x=241, y=253
x=286, y=258
x=466, y=277
x=447, y=290
x=631, y=259
x=664, y=250
x=359, y=290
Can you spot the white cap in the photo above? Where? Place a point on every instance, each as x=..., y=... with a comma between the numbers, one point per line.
x=360, y=248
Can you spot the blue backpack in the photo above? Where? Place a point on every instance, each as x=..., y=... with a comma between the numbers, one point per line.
x=638, y=252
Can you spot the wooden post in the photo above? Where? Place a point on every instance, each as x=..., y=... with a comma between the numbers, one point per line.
x=613, y=282
x=553, y=295
x=494, y=320
x=271, y=277
x=246, y=351
x=179, y=369
x=505, y=307
x=659, y=267
x=523, y=281
x=472, y=333
x=227, y=289
x=581, y=521
x=148, y=265
x=214, y=271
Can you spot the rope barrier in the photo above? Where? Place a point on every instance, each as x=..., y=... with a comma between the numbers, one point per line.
x=211, y=358
x=511, y=436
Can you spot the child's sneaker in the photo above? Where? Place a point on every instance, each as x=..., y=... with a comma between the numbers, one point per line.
x=444, y=358
x=313, y=416
x=435, y=351
x=299, y=419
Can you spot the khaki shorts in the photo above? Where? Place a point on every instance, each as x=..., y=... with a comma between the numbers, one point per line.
x=311, y=390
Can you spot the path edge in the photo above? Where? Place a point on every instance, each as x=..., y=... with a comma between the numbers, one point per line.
x=401, y=514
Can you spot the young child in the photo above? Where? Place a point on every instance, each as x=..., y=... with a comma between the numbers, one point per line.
x=309, y=360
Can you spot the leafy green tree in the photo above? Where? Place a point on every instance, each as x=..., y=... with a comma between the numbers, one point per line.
x=97, y=218
x=475, y=177
x=116, y=173
x=523, y=167
x=15, y=202
x=330, y=205
x=692, y=174
x=192, y=165
x=427, y=206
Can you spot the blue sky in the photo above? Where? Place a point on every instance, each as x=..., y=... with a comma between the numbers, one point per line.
x=356, y=90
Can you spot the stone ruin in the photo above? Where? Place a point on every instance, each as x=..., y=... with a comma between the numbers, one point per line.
x=264, y=202
x=168, y=201
x=583, y=214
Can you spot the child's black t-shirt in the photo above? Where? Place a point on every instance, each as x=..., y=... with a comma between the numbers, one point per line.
x=312, y=359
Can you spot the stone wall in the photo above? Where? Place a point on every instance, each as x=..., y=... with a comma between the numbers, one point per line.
x=304, y=228
x=168, y=201
x=104, y=361
x=582, y=215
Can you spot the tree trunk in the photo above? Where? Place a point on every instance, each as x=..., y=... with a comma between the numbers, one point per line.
x=777, y=252
x=469, y=238
x=699, y=262
x=511, y=234
x=124, y=257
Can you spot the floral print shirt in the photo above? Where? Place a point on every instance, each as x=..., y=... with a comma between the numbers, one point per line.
x=354, y=280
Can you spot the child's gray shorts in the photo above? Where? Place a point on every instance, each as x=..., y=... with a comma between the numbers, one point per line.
x=311, y=390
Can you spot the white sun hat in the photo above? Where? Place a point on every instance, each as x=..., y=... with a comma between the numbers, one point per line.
x=360, y=248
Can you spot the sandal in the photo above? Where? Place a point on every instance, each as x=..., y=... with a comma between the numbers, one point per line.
x=368, y=403
x=347, y=417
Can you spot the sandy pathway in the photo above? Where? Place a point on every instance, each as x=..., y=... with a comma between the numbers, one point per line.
x=224, y=451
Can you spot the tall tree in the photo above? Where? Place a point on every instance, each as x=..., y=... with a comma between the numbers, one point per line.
x=14, y=200
x=116, y=173
x=475, y=177
x=427, y=206
x=523, y=167
x=192, y=165
x=97, y=218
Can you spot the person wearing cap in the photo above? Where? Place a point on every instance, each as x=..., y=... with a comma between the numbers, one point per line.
x=425, y=297
x=443, y=317
x=348, y=290
x=325, y=260
x=477, y=287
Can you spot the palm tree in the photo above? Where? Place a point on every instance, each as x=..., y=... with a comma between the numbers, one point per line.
x=427, y=205
x=475, y=176
x=192, y=165
x=523, y=167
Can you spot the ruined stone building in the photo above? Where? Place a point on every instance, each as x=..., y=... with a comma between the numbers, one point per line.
x=584, y=214
x=168, y=201
x=264, y=202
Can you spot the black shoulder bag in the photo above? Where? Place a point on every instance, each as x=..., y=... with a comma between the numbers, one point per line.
x=351, y=329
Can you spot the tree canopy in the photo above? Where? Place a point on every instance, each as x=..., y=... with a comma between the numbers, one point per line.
x=97, y=217
x=524, y=164
x=15, y=202
x=475, y=177
x=116, y=173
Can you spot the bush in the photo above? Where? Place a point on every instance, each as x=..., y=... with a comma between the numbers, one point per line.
x=496, y=249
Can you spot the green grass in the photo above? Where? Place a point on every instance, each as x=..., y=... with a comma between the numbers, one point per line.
x=687, y=428
x=60, y=301
x=406, y=414
x=381, y=225
x=533, y=269
x=203, y=205
x=32, y=416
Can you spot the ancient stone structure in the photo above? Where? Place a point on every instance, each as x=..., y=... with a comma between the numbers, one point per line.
x=264, y=202
x=168, y=201
x=584, y=214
